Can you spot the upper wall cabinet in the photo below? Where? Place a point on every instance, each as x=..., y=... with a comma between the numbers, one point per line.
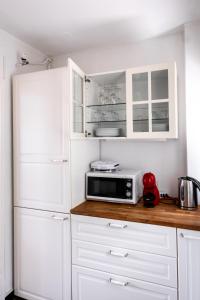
x=152, y=102
x=138, y=103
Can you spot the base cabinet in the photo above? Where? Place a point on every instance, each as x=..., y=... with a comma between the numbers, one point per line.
x=42, y=255
x=125, y=262
x=189, y=264
x=110, y=260
x=88, y=284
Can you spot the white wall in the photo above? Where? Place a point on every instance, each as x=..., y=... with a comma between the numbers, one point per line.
x=82, y=153
x=10, y=47
x=166, y=159
x=192, y=74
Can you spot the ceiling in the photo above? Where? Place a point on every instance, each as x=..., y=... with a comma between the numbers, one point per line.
x=63, y=26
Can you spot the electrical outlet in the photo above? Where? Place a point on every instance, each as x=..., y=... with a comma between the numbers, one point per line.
x=163, y=194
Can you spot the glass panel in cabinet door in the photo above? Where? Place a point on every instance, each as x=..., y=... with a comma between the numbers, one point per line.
x=160, y=117
x=77, y=88
x=159, y=85
x=141, y=118
x=140, y=86
x=77, y=103
x=77, y=118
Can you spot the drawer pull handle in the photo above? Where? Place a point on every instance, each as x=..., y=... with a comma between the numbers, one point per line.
x=116, y=282
x=190, y=237
x=120, y=226
x=113, y=253
x=59, y=218
x=58, y=160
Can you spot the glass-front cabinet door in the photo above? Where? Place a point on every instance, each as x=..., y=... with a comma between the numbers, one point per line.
x=152, y=102
x=77, y=100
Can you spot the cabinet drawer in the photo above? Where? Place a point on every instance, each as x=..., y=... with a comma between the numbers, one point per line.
x=88, y=284
x=135, y=236
x=135, y=264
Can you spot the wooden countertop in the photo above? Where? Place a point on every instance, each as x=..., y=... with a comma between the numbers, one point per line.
x=165, y=214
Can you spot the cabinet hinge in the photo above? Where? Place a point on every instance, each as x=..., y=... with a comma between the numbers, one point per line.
x=87, y=79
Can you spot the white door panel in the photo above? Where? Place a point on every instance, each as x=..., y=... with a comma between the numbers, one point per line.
x=135, y=236
x=41, y=112
x=88, y=284
x=135, y=264
x=41, y=145
x=42, y=255
x=189, y=264
x=152, y=102
x=44, y=186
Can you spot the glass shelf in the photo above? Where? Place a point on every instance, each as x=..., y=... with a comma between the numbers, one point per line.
x=161, y=119
x=109, y=104
x=93, y=122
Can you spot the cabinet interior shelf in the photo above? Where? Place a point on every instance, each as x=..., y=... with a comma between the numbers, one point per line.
x=109, y=104
x=108, y=121
x=111, y=121
x=159, y=119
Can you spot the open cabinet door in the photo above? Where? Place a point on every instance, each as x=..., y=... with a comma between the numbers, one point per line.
x=77, y=100
x=2, y=228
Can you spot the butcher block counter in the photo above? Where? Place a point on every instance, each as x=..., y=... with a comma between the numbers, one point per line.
x=165, y=214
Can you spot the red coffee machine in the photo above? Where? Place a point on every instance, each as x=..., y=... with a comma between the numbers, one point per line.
x=151, y=195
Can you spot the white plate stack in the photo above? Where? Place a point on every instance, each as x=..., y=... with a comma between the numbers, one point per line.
x=101, y=132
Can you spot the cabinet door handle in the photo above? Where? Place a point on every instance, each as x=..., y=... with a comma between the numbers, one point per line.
x=58, y=160
x=116, y=282
x=59, y=218
x=189, y=237
x=113, y=253
x=115, y=225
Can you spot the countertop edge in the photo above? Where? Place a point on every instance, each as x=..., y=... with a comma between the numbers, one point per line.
x=109, y=214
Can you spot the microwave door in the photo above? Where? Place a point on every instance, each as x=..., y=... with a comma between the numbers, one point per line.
x=106, y=187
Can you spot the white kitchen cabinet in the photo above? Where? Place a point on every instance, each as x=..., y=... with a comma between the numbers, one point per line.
x=97, y=100
x=42, y=255
x=152, y=102
x=126, y=262
x=189, y=264
x=105, y=102
x=130, y=235
x=113, y=259
x=49, y=171
x=88, y=284
x=41, y=147
x=140, y=102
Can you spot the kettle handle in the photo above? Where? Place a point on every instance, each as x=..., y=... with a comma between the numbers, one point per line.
x=195, y=181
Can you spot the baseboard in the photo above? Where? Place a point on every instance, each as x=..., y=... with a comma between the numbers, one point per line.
x=10, y=296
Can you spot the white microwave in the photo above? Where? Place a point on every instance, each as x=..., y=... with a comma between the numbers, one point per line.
x=120, y=186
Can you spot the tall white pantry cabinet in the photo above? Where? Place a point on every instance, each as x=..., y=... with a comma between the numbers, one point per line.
x=46, y=182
